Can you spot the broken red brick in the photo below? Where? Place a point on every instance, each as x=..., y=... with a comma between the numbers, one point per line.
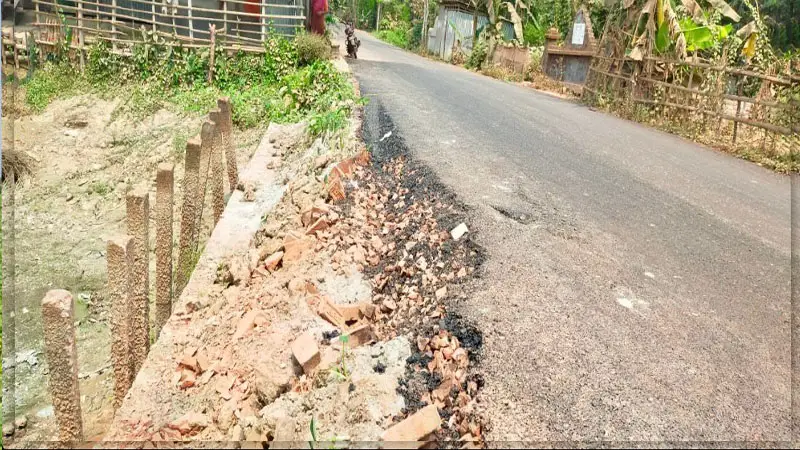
x=294, y=247
x=328, y=311
x=319, y=225
x=247, y=323
x=189, y=362
x=202, y=363
x=346, y=167
x=368, y=310
x=416, y=427
x=336, y=190
x=350, y=313
x=190, y=423
x=271, y=263
x=306, y=352
x=360, y=335
x=188, y=379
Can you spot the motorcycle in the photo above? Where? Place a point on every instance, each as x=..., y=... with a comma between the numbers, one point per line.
x=352, y=41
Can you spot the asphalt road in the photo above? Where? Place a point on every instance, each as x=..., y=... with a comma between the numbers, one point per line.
x=637, y=285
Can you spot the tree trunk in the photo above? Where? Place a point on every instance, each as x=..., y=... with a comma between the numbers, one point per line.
x=378, y=17
x=474, y=27
x=425, y=26
x=491, y=31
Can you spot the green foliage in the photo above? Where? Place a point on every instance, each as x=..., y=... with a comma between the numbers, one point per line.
x=478, y=55
x=54, y=80
x=533, y=34
x=289, y=82
x=341, y=371
x=311, y=47
x=397, y=37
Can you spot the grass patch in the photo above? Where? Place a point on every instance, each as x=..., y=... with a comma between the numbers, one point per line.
x=291, y=81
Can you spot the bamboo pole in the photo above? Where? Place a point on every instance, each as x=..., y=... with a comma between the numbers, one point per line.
x=80, y=35
x=263, y=23
x=114, y=22
x=225, y=15
x=191, y=23
x=211, y=55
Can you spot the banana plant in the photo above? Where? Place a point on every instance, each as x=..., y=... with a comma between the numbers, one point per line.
x=516, y=19
x=664, y=29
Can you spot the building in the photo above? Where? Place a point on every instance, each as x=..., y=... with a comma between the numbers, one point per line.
x=454, y=23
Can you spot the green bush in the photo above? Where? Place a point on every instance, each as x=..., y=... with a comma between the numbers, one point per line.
x=54, y=80
x=478, y=55
x=533, y=35
x=291, y=81
x=397, y=37
x=311, y=47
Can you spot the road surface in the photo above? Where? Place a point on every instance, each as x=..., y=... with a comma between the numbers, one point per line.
x=636, y=286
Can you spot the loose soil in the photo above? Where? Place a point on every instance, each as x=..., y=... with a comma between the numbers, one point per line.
x=85, y=160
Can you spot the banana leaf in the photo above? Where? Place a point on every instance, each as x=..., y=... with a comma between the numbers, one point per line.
x=662, y=38
x=725, y=9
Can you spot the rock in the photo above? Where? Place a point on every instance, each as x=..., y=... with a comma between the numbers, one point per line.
x=237, y=433
x=253, y=257
x=368, y=310
x=189, y=423
x=306, y=352
x=321, y=161
x=239, y=271
x=271, y=263
x=388, y=305
x=249, y=192
x=8, y=429
x=272, y=229
x=271, y=383
x=414, y=428
x=225, y=415
x=285, y=430
x=248, y=322
x=459, y=231
x=21, y=422
x=441, y=293
x=297, y=285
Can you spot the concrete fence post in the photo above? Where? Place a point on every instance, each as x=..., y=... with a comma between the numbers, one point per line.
x=164, y=203
x=189, y=210
x=58, y=317
x=207, y=131
x=119, y=253
x=217, y=169
x=138, y=216
x=226, y=122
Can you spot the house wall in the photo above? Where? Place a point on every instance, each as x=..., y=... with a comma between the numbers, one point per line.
x=201, y=20
x=451, y=25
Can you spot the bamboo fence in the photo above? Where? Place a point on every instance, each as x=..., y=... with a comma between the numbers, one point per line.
x=187, y=23
x=707, y=95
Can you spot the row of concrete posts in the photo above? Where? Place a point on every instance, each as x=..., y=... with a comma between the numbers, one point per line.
x=128, y=257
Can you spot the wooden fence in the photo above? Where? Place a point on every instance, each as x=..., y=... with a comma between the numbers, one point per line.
x=700, y=92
